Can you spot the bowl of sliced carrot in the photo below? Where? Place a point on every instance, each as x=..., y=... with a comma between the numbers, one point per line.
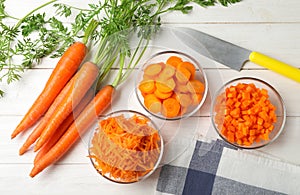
x=125, y=147
x=248, y=113
x=171, y=85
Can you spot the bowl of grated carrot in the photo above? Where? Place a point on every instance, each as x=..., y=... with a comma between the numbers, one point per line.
x=171, y=85
x=125, y=147
x=248, y=113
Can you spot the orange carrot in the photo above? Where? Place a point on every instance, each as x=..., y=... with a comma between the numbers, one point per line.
x=170, y=107
x=174, y=61
x=84, y=121
x=35, y=134
x=64, y=70
x=244, y=114
x=86, y=76
x=122, y=153
x=64, y=126
x=176, y=79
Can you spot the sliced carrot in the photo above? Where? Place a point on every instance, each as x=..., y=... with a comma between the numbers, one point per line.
x=196, y=86
x=174, y=61
x=170, y=107
x=161, y=95
x=165, y=86
x=147, y=86
x=152, y=103
x=167, y=72
x=184, y=99
x=153, y=69
x=189, y=66
x=196, y=98
x=182, y=75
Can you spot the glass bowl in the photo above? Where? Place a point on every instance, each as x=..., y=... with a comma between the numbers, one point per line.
x=248, y=113
x=125, y=147
x=171, y=85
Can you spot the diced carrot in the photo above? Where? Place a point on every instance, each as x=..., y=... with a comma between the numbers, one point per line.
x=244, y=114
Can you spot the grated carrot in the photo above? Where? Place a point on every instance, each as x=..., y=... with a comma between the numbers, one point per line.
x=125, y=149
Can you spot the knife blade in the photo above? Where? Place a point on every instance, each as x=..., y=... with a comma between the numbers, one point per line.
x=232, y=55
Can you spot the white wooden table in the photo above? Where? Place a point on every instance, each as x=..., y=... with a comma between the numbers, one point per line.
x=271, y=27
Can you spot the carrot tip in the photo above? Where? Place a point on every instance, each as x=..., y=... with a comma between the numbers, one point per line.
x=21, y=151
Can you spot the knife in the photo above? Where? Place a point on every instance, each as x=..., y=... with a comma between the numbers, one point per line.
x=232, y=55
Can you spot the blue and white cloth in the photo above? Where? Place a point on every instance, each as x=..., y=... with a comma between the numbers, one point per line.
x=214, y=167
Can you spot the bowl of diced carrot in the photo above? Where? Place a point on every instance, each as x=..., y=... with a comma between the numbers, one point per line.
x=125, y=147
x=248, y=113
x=171, y=85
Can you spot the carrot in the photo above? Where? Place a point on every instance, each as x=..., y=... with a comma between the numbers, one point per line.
x=177, y=79
x=167, y=72
x=152, y=103
x=182, y=75
x=122, y=153
x=86, y=76
x=189, y=66
x=35, y=134
x=174, y=61
x=153, y=69
x=244, y=114
x=64, y=70
x=147, y=86
x=165, y=86
x=64, y=126
x=84, y=121
x=170, y=107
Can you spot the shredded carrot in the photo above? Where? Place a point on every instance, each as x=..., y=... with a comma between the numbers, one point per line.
x=125, y=149
x=244, y=114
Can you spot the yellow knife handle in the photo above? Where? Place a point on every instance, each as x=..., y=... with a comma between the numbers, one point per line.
x=275, y=65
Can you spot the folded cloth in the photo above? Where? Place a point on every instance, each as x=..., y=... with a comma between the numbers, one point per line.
x=214, y=167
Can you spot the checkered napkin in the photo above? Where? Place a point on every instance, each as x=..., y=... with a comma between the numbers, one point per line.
x=214, y=167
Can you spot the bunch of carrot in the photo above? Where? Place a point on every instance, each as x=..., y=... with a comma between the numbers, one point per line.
x=244, y=114
x=67, y=95
x=171, y=88
x=125, y=149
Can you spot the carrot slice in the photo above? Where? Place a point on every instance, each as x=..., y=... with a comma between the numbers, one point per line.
x=182, y=75
x=147, y=86
x=152, y=103
x=184, y=99
x=189, y=66
x=196, y=86
x=170, y=107
x=153, y=69
x=167, y=72
x=165, y=86
x=161, y=95
x=174, y=61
